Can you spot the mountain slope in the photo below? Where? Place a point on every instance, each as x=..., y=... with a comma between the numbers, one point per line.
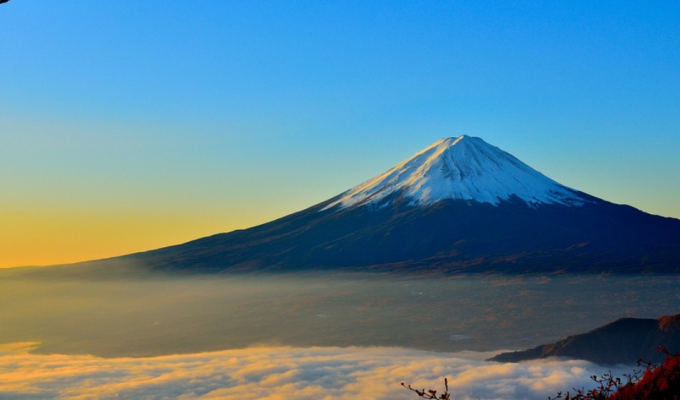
x=460, y=205
x=622, y=341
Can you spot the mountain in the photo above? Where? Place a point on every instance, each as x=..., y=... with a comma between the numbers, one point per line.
x=621, y=342
x=459, y=205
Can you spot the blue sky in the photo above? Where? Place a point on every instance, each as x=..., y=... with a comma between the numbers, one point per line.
x=143, y=124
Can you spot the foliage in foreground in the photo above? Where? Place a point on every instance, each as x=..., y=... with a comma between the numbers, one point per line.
x=656, y=382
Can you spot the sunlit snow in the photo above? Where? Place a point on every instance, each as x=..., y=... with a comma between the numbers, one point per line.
x=463, y=168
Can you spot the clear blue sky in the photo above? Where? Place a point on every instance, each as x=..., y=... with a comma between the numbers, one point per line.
x=130, y=125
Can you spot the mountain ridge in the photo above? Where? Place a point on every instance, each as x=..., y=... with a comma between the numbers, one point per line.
x=622, y=341
x=385, y=230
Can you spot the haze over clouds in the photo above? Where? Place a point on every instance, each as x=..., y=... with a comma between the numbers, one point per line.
x=282, y=373
x=162, y=316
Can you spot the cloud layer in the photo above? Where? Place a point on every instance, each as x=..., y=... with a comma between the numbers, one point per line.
x=281, y=373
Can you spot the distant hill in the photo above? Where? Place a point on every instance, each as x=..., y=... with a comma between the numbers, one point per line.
x=459, y=205
x=623, y=341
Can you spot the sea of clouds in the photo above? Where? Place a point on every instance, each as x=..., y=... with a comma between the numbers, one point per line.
x=283, y=373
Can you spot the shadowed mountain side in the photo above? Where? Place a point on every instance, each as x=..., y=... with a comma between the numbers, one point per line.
x=447, y=237
x=621, y=342
x=459, y=205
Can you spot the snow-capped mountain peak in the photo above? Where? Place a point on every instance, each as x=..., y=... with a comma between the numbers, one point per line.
x=462, y=168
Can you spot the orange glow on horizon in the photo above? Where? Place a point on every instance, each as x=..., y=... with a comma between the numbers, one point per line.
x=49, y=237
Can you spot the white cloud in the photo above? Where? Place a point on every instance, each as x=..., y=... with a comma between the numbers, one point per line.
x=281, y=373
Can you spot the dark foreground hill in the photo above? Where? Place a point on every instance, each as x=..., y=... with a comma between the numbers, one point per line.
x=621, y=342
x=460, y=205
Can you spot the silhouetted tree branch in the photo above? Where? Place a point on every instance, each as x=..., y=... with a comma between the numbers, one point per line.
x=431, y=394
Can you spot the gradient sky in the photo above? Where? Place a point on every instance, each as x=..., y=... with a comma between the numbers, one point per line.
x=131, y=125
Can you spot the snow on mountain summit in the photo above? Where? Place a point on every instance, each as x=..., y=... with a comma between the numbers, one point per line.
x=462, y=168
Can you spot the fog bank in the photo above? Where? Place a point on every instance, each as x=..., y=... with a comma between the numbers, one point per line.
x=283, y=373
